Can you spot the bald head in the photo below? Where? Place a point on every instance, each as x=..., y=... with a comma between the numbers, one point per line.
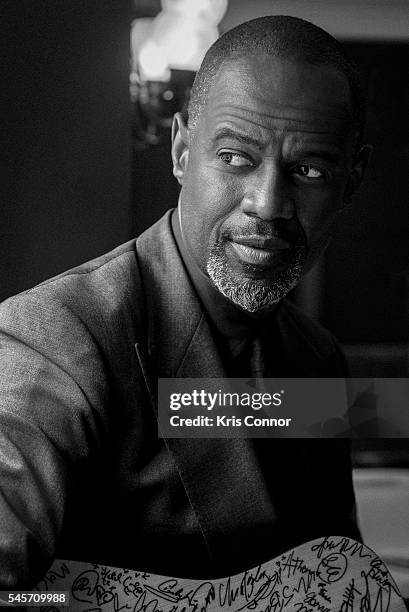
x=283, y=37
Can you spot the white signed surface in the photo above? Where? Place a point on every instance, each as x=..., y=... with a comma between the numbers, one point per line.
x=332, y=573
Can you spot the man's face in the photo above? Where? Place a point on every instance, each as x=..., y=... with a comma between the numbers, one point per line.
x=264, y=175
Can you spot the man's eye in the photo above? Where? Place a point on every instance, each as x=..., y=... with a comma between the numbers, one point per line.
x=234, y=159
x=307, y=171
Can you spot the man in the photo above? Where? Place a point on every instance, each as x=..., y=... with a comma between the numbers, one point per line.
x=268, y=156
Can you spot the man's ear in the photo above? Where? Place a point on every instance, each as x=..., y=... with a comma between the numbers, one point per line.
x=357, y=172
x=180, y=147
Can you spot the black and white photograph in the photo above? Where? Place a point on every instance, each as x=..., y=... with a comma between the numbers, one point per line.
x=204, y=306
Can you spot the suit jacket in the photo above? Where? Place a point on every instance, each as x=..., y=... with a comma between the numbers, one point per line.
x=83, y=474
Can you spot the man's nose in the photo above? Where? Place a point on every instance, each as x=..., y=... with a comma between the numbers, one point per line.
x=268, y=194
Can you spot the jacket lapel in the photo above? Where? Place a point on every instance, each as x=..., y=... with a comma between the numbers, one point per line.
x=221, y=477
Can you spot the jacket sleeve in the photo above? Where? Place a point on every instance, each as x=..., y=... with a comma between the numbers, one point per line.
x=49, y=388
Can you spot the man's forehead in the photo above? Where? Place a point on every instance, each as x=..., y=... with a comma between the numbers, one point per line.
x=266, y=91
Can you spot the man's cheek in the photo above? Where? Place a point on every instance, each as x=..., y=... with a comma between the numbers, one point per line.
x=315, y=215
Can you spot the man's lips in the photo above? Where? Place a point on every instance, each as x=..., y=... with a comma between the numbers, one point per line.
x=260, y=250
x=273, y=243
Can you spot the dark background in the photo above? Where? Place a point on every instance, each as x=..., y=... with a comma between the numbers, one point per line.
x=65, y=138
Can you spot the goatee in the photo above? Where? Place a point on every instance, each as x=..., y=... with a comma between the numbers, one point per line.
x=255, y=294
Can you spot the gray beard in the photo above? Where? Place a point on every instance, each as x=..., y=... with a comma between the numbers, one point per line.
x=254, y=295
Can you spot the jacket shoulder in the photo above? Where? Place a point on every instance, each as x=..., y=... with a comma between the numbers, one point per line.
x=106, y=269
x=96, y=289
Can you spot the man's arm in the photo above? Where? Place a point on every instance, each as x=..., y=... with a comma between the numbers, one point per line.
x=48, y=387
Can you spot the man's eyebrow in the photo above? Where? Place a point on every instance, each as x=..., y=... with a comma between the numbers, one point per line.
x=314, y=151
x=331, y=156
x=226, y=132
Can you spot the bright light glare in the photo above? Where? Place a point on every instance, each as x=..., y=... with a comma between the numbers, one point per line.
x=184, y=49
x=177, y=38
x=153, y=62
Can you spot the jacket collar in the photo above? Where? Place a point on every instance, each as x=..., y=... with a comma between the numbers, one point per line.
x=178, y=334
